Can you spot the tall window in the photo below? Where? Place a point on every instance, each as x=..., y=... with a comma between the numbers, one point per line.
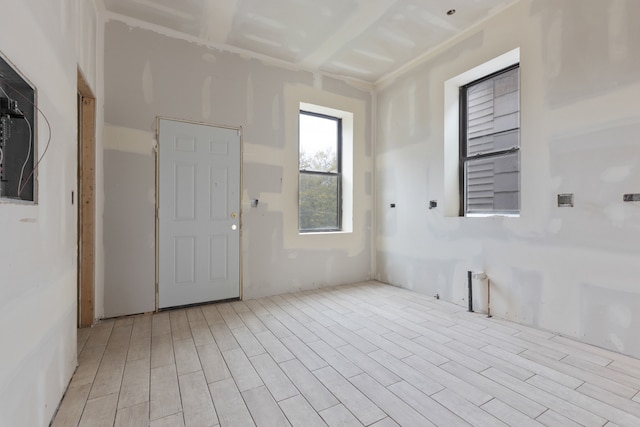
x=490, y=144
x=320, y=177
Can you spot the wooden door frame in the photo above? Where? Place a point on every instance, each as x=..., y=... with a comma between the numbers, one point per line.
x=86, y=201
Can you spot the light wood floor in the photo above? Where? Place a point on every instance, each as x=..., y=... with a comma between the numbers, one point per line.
x=365, y=354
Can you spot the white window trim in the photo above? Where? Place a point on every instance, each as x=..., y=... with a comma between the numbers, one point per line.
x=452, y=127
x=355, y=229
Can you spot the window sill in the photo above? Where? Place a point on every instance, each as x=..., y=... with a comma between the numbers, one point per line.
x=492, y=215
x=322, y=233
x=12, y=201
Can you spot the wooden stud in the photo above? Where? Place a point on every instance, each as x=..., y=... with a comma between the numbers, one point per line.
x=86, y=203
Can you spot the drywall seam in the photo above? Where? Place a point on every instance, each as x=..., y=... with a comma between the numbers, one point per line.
x=389, y=78
x=128, y=140
x=266, y=60
x=349, y=30
x=374, y=193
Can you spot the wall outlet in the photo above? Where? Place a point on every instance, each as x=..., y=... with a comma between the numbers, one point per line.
x=565, y=200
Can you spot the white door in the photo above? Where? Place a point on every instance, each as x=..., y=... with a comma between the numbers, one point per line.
x=198, y=213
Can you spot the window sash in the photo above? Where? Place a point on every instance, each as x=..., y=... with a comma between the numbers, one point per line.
x=308, y=210
x=493, y=184
x=338, y=140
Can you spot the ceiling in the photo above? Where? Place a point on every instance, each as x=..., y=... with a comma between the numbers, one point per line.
x=360, y=39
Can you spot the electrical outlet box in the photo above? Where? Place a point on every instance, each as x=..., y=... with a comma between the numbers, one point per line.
x=565, y=200
x=17, y=135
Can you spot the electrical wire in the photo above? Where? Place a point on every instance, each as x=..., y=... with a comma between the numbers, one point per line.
x=46, y=148
x=28, y=143
x=28, y=153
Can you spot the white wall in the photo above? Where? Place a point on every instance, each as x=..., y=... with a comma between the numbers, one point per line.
x=570, y=270
x=148, y=74
x=38, y=251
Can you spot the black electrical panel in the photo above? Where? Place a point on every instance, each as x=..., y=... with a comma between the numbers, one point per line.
x=17, y=135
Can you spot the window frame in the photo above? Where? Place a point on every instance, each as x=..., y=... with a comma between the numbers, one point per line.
x=337, y=174
x=463, y=146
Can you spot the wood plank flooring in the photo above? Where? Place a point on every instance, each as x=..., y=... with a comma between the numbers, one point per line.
x=359, y=355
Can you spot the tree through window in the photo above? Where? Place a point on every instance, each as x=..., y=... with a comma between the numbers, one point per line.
x=320, y=141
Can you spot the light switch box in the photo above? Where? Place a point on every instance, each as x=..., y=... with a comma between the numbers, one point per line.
x=565, y=200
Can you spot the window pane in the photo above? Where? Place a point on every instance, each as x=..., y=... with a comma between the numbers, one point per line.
x=319, y=194
x=493, y=107
x=318, y=143
x=493, y=184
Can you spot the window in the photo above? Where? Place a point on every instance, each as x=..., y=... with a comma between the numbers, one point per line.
x=320, y=178
x=490, y=144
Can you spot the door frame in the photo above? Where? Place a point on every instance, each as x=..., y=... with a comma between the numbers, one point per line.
x=157, y=192
x=86, y=202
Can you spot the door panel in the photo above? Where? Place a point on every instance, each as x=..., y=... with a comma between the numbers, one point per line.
x=219, y=247
x=185, y=192
x=198, y=213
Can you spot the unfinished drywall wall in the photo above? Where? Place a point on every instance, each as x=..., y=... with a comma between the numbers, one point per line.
x=129, y=193
x=148, y=74
x=38, y=301
x=569, y=270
